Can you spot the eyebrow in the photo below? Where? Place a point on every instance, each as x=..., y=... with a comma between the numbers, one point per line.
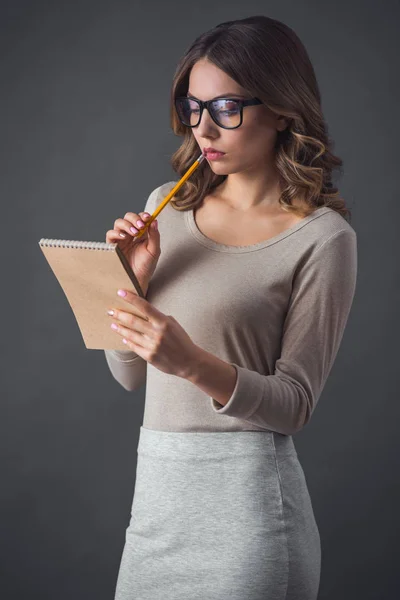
x=228, y=95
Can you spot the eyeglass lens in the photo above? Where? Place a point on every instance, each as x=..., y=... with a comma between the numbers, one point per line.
x=225, y=112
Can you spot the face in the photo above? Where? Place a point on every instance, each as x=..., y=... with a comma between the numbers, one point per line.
x=248, y=147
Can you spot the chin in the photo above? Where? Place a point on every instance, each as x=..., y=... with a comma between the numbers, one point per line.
x=219, y=169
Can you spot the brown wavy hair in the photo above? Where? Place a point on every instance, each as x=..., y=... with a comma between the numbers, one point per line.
x=267, y=58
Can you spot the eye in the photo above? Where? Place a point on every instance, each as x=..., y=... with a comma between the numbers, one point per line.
x=226, y=107
x=226, y=104
x=193, y=106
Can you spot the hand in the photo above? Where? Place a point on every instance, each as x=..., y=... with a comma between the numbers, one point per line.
x=143, y=253
x=158, y=338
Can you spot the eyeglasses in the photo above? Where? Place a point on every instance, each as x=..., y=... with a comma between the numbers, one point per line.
x=225, y=112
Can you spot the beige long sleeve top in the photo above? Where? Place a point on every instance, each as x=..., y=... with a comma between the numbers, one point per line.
x=275, y=310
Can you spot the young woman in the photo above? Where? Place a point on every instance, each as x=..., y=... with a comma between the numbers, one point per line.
x=244, y=313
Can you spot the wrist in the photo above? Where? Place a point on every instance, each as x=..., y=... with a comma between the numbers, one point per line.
x=212, y=375
x=196, y=365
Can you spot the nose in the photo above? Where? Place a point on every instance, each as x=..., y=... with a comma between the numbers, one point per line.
x=206, y=125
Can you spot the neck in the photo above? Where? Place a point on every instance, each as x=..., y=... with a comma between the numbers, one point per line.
x=247, y=190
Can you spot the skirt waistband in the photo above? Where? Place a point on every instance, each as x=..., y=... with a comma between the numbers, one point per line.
x=215, y=444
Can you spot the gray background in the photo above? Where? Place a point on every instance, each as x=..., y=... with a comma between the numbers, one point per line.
x=85, y=137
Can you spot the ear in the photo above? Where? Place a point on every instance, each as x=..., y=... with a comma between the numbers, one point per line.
x=281, y=123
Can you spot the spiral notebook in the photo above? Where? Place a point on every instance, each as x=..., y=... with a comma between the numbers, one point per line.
x=90, y=273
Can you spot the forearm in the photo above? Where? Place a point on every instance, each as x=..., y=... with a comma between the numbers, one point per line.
x=128, y=368
x=213, y=376
x=271, y=402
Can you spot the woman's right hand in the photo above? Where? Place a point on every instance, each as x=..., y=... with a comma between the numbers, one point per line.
x=142, y=253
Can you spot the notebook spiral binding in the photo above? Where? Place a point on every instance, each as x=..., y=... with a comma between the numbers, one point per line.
x=76, y=244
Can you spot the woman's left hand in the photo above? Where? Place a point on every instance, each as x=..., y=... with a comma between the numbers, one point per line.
x=158, y=338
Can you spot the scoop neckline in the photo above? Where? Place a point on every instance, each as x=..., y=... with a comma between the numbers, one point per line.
x=212, y=244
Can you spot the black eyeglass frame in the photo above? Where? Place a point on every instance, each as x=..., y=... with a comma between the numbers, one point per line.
x=207, y=103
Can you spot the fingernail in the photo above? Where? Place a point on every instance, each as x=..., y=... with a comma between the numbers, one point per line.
x=121, y=293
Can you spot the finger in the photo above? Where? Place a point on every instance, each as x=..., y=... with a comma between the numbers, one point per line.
x=130, y=224
x=113, y=234
x=134, y=336
x=148, y=310
x=146, y=218
x=134, y=322
x=143, y=220
x=135, y=220
x=127, y=225
x=136, y=347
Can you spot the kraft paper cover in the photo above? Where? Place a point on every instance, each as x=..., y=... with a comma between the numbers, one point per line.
x=90, y=273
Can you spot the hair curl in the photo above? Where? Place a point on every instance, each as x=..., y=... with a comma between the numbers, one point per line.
x=272, y=64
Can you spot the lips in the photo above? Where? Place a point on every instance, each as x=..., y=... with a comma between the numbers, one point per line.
x=212, y=150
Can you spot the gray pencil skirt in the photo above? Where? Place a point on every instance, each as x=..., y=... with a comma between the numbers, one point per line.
x=219, y=516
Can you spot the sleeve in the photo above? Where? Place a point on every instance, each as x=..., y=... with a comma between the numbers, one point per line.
x=322, y=294
x=128, y=368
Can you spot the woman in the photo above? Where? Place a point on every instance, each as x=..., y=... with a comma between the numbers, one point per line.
x=244, y=313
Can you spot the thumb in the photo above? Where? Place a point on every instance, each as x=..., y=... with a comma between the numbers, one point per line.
x=153, y=238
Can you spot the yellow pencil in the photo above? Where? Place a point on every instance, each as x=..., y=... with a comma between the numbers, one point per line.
x=168, y=197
